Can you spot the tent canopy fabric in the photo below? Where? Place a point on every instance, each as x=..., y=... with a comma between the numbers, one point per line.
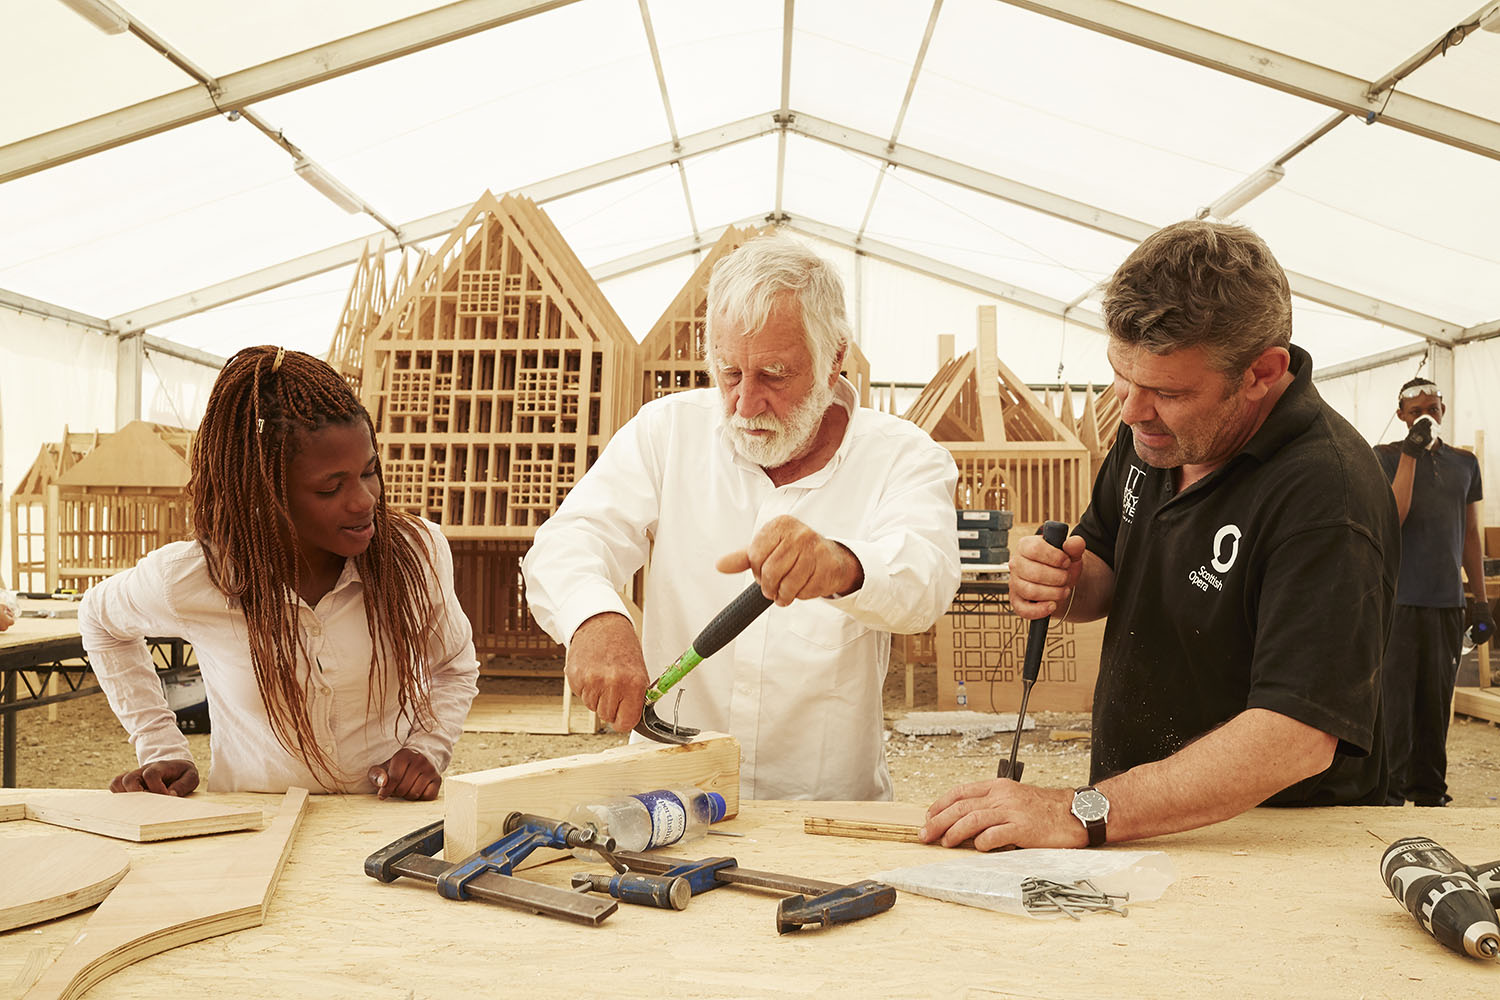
x=947, y=153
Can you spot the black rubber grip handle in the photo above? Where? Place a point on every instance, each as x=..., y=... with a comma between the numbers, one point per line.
x=730, y=622
x=1054, y=533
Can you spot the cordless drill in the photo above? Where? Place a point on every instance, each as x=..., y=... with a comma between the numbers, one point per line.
x=1452, y=901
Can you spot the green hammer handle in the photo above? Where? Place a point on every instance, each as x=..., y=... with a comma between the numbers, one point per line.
x=727, y=624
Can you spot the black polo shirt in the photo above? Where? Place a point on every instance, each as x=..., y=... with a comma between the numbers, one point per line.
x=1444, y=482
x=1268, y=584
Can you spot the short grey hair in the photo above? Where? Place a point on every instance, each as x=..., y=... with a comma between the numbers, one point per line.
x=747, y=283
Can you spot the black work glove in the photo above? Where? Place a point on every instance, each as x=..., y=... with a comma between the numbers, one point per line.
x=1479, y=621
x=1419, y=439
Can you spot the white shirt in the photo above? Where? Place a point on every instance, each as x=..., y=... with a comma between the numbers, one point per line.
x=168, y=593
x=801, y=688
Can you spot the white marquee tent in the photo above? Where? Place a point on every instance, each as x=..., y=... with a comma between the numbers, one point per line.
x=947, y=153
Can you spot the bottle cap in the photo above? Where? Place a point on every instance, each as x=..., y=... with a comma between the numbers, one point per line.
x=716, y=807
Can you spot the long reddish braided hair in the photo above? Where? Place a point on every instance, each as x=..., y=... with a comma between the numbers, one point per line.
x=238, y=489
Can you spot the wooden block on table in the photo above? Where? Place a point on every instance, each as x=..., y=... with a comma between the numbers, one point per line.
x=142, y=816
x=478, y=803
x=60, y=873
x=12, y=808
x=898, y=821
x=161, y=904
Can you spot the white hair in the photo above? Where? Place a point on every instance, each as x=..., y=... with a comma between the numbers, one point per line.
x=746, y=285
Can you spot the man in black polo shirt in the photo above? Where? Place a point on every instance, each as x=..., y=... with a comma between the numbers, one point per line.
x=1438, y=491
x=1244, y=544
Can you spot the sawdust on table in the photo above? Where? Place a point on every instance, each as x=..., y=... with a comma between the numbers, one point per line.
x=85, y=746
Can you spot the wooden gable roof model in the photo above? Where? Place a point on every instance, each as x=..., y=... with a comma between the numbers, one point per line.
x=139, y=457
x=1012, y=451
x=976, y=398
x=370, y=296
x=498, y=376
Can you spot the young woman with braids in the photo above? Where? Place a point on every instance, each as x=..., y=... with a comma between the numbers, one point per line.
x=332, y=647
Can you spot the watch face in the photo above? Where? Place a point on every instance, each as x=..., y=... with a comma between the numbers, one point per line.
x=1090, y=805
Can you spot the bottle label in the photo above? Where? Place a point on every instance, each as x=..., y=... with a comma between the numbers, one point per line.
x=668, y=817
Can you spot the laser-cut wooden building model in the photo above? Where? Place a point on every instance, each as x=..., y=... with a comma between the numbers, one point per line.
x=94, y=504
x=1012, y=451
x=370, y=295
x=494, y=382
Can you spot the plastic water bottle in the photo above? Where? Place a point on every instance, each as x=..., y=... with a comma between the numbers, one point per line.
x=650, y=819
x=962, y=694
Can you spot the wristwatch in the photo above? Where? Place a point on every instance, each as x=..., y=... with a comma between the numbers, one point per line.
x=1092, y=809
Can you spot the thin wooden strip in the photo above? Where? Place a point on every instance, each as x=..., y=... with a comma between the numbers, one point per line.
x=826, y=826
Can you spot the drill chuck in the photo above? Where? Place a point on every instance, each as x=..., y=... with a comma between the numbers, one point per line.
x=1442, y=894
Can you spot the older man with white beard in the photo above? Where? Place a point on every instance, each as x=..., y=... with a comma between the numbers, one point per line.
x=843, y=515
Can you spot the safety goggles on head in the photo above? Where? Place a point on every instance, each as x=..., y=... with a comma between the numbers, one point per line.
x=1421, y=390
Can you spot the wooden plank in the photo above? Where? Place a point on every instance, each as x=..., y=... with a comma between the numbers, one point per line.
x=1479, y=703
x=167, y=902
x=141, y=816
x=504, y=713
x=894, y=821
x=61, y=873
x=478, y=803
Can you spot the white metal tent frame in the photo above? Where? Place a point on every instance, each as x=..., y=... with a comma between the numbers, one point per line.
x=1376, y=101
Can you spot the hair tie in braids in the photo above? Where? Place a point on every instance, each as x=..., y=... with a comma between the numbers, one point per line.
x=280, y=357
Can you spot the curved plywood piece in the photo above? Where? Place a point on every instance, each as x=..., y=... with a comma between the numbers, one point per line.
x=163, y=903
x=63, y=873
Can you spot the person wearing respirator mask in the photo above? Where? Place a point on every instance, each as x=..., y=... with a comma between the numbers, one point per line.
x=1438, y=493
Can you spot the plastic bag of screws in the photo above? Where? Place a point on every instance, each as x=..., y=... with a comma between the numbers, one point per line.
x=1019, y=882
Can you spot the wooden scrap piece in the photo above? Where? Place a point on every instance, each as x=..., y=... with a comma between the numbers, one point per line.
x=898, y=821
x=57, y=873
x=142, y=816
x=478, y=803
x=171, y=901
x=14, y=808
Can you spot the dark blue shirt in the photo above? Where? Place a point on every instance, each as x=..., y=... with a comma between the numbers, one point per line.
x=1444, y=483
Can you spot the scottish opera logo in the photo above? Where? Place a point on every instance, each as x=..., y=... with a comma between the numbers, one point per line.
x=1226, y=549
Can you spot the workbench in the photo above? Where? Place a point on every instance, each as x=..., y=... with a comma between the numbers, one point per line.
x=42, y=662
x=1275, y=903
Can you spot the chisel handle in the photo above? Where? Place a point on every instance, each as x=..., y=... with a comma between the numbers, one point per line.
x=1054, y=533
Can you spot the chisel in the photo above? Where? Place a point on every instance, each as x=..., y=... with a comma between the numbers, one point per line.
x=1054, y=533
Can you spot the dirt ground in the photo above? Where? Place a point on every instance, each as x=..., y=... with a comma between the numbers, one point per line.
x=85, y=747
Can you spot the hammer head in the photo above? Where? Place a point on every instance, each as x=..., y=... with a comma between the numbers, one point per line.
x=653, y=727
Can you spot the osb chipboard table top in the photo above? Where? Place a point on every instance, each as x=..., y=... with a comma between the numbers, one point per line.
x=1273, y=903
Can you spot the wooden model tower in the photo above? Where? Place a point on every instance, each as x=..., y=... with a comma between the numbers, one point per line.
x=94, y=504
x=370, y=296
x=494, y=382
x=1012, y=452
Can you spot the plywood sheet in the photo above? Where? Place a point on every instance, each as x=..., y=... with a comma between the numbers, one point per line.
x=479, y=802
x=141, y=816
x=162, y=903
x=57, y=873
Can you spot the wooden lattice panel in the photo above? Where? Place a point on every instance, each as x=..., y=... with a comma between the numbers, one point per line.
x=1036, y=481
x=498, y=377
x=491, y=590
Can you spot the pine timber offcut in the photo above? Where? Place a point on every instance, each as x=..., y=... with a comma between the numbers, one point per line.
x=674, y=352
x=141, y=816
x=1012, y=451
x=94, y=504
x=478, y=803
x=894, y=821
x=57, y=873
x=225, y=885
